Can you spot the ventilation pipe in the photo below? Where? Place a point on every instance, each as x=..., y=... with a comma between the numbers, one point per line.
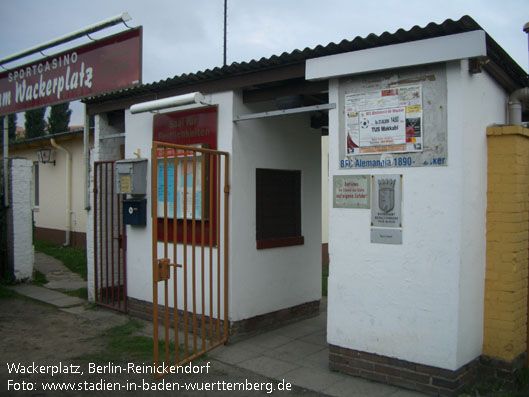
x=515, y=105
x=68, y=191
x=518, y=97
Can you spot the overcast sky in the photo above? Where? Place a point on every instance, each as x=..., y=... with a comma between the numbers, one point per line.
x=184, y=36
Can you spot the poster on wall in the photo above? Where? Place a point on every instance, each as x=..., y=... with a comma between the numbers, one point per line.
x=198, y=128
x=382, y=121
x=184, y=177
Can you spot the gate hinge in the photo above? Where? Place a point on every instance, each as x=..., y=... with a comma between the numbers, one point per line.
x=226, y=189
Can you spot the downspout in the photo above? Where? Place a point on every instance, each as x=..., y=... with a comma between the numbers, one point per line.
x=5, y=155
x=68, y=191
x=518, y=97
x=86, y=159
x=515, y=105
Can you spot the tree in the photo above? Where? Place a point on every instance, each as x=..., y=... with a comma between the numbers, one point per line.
x=11, y=127
x=34, y=122
x=59, y=118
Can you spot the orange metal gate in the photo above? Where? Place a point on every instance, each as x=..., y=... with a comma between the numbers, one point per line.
x=110, y=269
x=190, y=191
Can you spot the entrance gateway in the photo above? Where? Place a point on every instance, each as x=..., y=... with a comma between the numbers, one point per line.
x=110, y=265
x=190, y=191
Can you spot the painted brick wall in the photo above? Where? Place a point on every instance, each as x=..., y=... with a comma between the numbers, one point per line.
x=505, y=329
x=20, y=233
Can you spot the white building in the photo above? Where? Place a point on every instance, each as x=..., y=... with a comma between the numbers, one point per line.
x=407, y=285
x=54, y=188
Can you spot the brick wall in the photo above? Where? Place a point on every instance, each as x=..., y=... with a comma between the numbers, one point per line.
x=423, y=378
x=505, y=332
x=237, y=329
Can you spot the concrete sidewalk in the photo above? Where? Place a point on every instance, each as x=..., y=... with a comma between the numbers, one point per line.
x=297, y=353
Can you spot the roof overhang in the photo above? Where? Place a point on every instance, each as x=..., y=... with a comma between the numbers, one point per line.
x=420, y=52
x=45, y=140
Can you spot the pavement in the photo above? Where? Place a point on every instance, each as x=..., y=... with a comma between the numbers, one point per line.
x=297, y=353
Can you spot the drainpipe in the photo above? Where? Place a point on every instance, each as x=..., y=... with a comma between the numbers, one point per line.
x=86, y=159
x=518, y=97
x=515, y=105
x=68, y=190
x=5, y=154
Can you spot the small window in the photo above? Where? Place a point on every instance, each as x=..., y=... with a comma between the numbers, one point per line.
x=278, y=208
x=36, y=184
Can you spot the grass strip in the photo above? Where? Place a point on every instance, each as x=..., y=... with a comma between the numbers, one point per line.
x=73, y=258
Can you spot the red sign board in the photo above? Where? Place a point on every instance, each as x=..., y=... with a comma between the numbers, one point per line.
x=105, y=65
x=187, y=127
x=194, y=128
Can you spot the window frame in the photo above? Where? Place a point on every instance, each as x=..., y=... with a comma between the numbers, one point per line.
x=290, y=181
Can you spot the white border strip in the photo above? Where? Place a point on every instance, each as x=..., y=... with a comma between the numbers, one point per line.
x=439, y=49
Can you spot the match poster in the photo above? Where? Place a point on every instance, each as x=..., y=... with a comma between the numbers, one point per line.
x=381, y=121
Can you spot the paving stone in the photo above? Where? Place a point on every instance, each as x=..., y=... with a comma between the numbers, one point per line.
x=294, y=351
x=407, y=393
x=358, y=387
x=313, y=379
x=268, y=366
x=298, y=330
x=318, y=360
x=232, y=354
x=269, y=340
x=318, y=338
x=47, y=295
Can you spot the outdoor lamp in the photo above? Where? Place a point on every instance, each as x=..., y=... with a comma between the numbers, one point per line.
x=44, y=156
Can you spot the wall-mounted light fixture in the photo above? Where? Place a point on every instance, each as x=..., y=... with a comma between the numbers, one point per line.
x=44, y=156
x=164, y=103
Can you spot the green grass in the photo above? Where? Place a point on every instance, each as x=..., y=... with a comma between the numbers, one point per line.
x=123, y=343
x=72, y=257
x=6, y=293
x=39, y=278
x=78, y=293
x=495, y=388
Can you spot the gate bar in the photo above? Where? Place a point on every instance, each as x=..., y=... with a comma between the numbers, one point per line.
x=158, y=276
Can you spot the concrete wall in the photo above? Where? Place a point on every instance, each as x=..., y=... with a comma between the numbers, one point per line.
x=260, y=281
x=19, y=230
x=421, y=301
x=325, y=189
x=267, y=280
x=139, y=136
x=477, y=101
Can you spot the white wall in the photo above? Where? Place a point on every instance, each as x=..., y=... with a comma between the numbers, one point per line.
x=139, y=130
x=267, y=280
x=20, y=231
x=260, y=281
x=421, y=301
x=482, y=102
x=325, y=189
x=51, y=211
